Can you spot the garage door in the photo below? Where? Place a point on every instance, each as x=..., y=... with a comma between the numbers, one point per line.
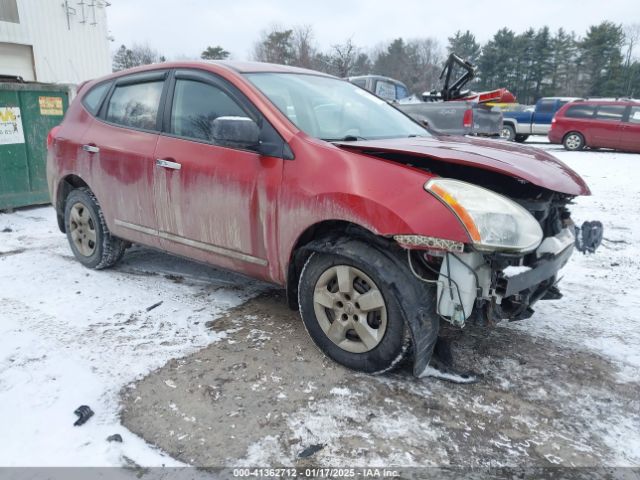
x=17, y=60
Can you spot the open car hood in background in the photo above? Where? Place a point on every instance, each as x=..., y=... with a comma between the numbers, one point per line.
x=526, y=163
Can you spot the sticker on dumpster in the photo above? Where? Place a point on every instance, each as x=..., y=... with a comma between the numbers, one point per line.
x=50, y=106
x=10, y=126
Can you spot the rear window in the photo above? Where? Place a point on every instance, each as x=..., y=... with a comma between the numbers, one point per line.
x=580, y=111
x=135, y=105
x=634, y=115
x=546, y=106
x=93, y=99
x=612, y=113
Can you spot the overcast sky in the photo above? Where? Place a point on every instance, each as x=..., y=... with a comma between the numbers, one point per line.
x=186, y=27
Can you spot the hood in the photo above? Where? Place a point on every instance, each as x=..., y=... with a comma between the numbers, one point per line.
x=526, y=163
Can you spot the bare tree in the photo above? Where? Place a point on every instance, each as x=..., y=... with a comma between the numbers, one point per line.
x=135, y=56
x=304, y=47
x=343, y=57
x=632, y=37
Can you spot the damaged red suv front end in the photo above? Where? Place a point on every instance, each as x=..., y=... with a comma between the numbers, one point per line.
x=378, y=229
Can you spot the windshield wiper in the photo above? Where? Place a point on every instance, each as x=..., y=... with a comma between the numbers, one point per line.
x=346, y=138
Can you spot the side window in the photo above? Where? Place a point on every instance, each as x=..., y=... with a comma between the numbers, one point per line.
x=634, y=115
x=580, y=111
x=196, y=105
x=386, y=90
x=612, y=113
x=546, y=106
x=401, y=92
x=93, y=99
x=361, y=82
x=135, y=105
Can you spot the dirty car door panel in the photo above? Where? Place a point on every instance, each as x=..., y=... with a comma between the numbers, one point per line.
x=120, y=146
x=214, y=200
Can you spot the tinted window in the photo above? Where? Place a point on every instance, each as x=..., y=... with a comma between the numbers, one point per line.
x=361, y=82
x=135, y=105
x=196, y=105
x=580, y=111
x=93, y=99
x=610, y=112
x=634, y=115
x=546, y=106
x=401, y=92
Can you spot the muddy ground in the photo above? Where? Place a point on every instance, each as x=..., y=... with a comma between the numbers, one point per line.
x=264, y=395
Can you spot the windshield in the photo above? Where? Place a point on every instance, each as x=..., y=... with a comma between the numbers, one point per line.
x=332, y=109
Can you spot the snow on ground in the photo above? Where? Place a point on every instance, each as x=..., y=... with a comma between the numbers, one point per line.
x=601, y=305
x=72, y=336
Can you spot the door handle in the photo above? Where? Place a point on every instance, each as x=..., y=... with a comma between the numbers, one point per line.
x=167, y=164
x=90, y=148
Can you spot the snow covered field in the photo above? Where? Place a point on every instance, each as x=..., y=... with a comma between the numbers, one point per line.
x=72, y=337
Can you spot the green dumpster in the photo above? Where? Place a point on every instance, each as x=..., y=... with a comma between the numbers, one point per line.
x=27, y=112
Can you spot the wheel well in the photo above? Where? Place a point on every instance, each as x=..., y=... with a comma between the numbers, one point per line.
x=314, y=238
x=67, y=184
x=508, y=123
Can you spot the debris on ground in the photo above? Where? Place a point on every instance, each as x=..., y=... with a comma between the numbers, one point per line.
x=310, y=450
x=116, y=437
x=84, y=413
x=7, y=230
x=155, y=305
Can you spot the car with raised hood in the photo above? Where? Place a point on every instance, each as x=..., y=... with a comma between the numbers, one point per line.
x=378, y=229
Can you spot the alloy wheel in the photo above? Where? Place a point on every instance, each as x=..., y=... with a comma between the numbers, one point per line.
x=350, y=308
x=82, y=230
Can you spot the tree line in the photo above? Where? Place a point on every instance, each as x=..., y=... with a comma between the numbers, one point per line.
x=532, y=64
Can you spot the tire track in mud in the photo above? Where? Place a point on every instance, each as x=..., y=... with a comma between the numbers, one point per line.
x=264, y=393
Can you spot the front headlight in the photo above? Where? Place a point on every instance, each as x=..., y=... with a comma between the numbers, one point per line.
x=493, y=221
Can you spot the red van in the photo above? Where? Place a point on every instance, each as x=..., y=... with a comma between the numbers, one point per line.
x=611, y=124
x=378, y=229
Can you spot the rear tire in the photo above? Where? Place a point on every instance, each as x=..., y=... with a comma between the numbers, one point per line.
x=573, y=141
x=87, y=233
x=521, y=138
x=351, y=309
x=508, y=133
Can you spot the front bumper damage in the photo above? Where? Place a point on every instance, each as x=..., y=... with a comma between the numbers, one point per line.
x=485, y=288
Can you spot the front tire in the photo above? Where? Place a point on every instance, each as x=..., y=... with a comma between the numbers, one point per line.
x=89, y=238
x=351, y=310
x=521, y=138
x=573, y=142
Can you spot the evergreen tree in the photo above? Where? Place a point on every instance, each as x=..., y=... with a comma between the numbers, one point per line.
x=600, y=53
x=214, y=53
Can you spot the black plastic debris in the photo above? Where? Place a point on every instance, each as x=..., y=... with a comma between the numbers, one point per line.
x=84, y=413
x=155, y=305
x=116, y=437
x=589, y=236
x=310, y=450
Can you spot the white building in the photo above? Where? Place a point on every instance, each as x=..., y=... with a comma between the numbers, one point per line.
x=54, y=41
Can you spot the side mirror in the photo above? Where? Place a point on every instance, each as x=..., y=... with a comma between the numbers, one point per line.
x=238, y=132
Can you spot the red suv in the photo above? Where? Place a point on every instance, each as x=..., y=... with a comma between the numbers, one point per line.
x=598, y=124
x=378, y=229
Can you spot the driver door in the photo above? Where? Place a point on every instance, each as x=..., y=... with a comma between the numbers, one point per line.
x=214, y=203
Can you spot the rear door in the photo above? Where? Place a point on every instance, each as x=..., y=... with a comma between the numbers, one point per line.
x=214, y=203
x=119, y=148
x=630, y=131
x=605, y=129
